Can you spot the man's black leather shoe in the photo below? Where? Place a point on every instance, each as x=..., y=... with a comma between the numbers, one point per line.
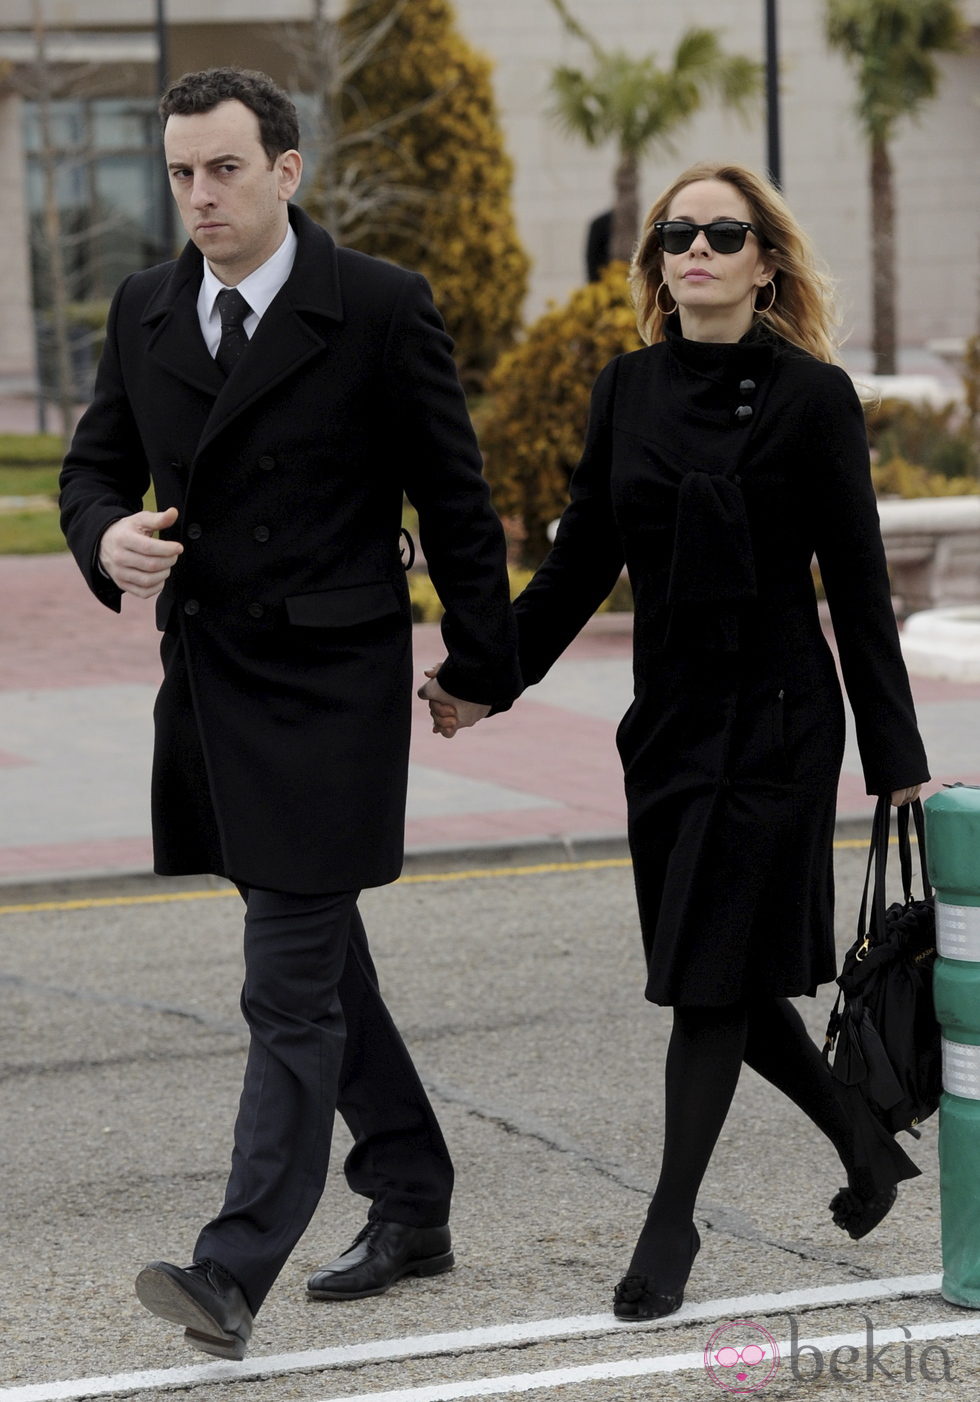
x=380, y=1254
x=205, y=1299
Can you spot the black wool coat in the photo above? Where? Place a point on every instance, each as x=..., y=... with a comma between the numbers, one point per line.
x=282, y=723
x=716, y=473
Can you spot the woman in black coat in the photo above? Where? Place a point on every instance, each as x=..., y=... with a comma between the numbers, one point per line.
x=718, y=460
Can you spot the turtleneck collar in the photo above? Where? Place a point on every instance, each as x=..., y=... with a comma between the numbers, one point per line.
x=720, y=360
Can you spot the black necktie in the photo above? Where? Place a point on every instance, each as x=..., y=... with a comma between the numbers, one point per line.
x=233, y=309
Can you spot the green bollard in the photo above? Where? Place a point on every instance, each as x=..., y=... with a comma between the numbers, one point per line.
x=953, y=848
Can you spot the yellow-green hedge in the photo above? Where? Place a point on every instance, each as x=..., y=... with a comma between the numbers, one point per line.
x=533, y=422
x=462, y=235
x=426, y=607
x=904, y=479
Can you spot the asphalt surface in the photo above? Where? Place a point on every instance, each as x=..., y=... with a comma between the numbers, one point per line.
x=520, y=993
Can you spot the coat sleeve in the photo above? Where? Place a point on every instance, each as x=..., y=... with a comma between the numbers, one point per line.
x=460, y=533
x=105, y=474
x=587, y=557
x=852, y=564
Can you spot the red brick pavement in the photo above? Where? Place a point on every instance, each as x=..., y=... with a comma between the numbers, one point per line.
x=54, y=634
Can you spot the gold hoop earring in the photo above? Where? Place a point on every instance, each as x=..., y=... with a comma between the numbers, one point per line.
x=761, y=311
x=663, y=310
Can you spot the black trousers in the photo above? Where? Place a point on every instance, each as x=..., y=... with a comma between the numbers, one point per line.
x=321, y=1040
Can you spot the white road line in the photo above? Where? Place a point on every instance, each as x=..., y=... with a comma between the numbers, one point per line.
x=644, y=1367
x=467, y=1340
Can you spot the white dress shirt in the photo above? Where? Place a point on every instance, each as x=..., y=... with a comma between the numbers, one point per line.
x=258, y=289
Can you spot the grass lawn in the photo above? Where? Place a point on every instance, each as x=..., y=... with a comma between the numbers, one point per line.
x=30, y=533
x=28, y=481
x=33, y=531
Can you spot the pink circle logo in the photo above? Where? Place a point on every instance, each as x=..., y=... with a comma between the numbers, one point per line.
x=741, y=1356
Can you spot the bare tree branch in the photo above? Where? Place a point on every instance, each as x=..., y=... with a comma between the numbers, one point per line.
x=350, y=196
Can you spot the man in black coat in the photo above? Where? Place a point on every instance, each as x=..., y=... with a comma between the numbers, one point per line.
x=282, y=394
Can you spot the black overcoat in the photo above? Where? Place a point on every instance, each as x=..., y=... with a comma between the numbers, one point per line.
x=716, y=473
x=282, y=723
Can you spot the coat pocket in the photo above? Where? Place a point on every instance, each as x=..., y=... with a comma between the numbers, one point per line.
x=343, y=608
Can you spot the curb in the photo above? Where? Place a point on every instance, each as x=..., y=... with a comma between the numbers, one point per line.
x=139, y=881
x=531, y=851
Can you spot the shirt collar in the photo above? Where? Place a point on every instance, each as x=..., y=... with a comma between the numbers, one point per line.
x=261, y=286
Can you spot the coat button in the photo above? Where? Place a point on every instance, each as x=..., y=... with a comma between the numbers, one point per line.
x=261, y=533
x=266, y=463
x=743, y=412
x=746, y=386
x=193, y=531
x=256, y=610
x=191, y=606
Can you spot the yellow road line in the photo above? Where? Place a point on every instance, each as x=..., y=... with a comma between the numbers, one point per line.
x=102, y=902
x=422, y=879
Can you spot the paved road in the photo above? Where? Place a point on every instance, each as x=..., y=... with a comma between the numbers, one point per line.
x=520, y=992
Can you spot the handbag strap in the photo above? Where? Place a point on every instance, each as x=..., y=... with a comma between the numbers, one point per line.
x=868, y=935
x=871, y=932
x=877, y=856
x=882, y=831
x=905, y=849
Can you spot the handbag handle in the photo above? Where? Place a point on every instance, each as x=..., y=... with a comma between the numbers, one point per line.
x=871, y=933
x=905, y=849
x=877, y=848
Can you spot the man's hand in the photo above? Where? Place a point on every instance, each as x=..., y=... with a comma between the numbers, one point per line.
x=133, y=558
x=448, y=713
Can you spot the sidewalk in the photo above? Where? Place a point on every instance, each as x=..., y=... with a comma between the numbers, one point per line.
x=76, y=692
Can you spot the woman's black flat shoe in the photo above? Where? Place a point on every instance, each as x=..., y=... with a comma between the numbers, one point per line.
x=857, y=1215
x=637, y=1296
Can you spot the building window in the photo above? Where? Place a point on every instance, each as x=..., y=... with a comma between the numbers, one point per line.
x=109, y=185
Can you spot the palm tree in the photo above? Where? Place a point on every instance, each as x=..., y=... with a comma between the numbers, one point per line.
x=891, y=45
x=636, y=103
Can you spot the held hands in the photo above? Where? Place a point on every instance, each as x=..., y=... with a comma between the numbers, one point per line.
x=448, y=713
x=133, y=558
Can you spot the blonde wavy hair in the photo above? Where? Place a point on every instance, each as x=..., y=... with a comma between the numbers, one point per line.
x=804, y=310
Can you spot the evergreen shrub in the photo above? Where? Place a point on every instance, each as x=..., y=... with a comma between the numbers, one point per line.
x=533, y=422
x=461, y=233
x=940, y=440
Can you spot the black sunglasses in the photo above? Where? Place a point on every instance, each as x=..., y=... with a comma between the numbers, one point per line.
x=723, y=235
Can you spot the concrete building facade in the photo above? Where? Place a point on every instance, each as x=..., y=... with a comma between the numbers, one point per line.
x=559, y=184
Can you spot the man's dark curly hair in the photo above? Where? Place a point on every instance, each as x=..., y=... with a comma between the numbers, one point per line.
x=203, y=91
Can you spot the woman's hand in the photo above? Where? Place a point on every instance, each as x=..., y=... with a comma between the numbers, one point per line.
x=902, y=796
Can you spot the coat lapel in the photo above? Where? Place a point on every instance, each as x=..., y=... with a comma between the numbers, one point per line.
x=175, y=340
x=296, y=327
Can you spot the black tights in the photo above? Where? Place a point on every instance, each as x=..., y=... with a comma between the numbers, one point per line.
x=704, y=1057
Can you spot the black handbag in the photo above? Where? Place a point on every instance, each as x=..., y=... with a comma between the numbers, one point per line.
x=883, y=1029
